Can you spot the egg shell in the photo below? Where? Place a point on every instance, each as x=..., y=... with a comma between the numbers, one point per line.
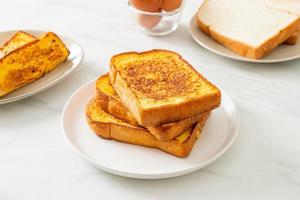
x=169, y=5
x=148, y=21
x=147, y=5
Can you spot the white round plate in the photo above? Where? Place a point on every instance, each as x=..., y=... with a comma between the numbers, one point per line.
x=50, y=79
x=281, y=53
x=140, y=162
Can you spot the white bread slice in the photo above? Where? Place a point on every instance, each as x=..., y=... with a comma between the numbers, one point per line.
x=292, y=6
x=249, y=28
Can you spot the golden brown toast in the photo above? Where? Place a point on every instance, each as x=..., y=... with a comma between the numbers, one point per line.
x=30, y=62
x=109, y=127
x=19, y=39
x=293, y=39
x=159, y=86
x=112, y=104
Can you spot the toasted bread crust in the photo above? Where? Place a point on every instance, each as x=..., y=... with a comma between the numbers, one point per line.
x=169, y=131
x=292, y=40
x=246, y=50
x=30, y=69
x=138, y=136
x=185, y=110
x=162, y=114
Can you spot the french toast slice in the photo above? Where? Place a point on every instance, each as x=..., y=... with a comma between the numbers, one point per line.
x=159, y=86
x=112, y=104
x=31, y=61
x=18, y=40
x=109, y=127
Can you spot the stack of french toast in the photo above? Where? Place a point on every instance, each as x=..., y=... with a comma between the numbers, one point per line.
x=154, y=99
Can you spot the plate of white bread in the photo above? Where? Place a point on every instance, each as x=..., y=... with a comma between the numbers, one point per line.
x=264, y=31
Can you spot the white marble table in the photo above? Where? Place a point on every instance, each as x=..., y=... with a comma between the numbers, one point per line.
x=36, y=162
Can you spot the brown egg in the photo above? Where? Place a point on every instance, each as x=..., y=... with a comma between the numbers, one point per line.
x=148, y=21
x=147, y=5
x=169, y=5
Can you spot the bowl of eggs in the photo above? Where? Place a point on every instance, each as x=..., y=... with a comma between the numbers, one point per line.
x=156, y=17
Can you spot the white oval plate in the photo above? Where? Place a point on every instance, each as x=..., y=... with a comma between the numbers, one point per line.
x=134, y=161
x=50, y=79
x=281, y=53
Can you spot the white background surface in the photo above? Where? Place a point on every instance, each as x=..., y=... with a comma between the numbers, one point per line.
x=36, y=162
